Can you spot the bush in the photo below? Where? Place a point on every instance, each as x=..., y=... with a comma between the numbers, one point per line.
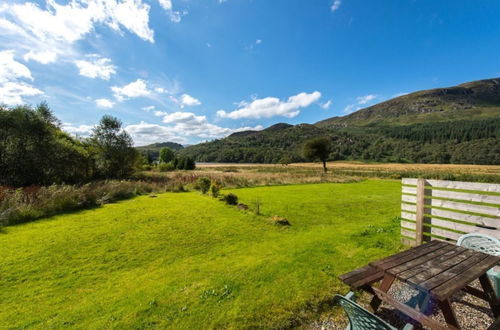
x=231, y=199
x=203, y=184
x=215, y=189
x=166, y=167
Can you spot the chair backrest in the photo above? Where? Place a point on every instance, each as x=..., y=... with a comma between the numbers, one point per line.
x=360, y=318
x=481, y=243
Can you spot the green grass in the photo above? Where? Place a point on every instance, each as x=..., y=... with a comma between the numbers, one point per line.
x=189, y=261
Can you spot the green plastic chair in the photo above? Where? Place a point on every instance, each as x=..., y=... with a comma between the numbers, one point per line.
x=486, y=244
x=360, y=318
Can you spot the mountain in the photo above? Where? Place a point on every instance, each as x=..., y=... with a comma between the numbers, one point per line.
x=472, y=100
x=159, y=145
x=458, y=124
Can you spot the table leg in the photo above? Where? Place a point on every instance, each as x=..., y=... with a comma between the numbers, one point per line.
x=384, y=286
x=490, y=294
x=449, y=314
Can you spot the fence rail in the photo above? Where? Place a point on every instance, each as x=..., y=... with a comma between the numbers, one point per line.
x=445, y=210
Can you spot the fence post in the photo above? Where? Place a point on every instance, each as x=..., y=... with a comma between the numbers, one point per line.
x=420, y=211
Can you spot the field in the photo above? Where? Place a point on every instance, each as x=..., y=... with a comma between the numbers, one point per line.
x=185, y=260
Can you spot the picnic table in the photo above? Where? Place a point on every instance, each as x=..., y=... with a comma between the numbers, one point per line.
x=437, y=270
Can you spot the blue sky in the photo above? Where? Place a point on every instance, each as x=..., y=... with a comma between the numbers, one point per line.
x=189, y=71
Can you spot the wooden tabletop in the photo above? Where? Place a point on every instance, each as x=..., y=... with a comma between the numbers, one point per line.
x=438, y=268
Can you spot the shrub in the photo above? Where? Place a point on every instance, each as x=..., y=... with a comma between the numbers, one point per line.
x=203, y=184
x=215, y=189
x=231, y=199
x=166, y=167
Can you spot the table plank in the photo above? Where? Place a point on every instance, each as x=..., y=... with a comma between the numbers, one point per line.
x=399, y=258
x=448, y=288
x=404, y=271
x=439, y=265
x=452, y=272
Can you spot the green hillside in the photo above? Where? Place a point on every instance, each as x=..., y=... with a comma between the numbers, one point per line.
x=447, y=125
x=473, y=100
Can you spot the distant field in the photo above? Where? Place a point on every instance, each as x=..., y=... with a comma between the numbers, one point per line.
x=188, y=261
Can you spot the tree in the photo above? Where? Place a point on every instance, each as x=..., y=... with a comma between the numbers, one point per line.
x=318, y=148
x=166, y=155
x=115, y=156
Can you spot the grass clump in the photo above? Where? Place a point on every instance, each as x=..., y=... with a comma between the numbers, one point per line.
x=203, y=184
x=231, y=199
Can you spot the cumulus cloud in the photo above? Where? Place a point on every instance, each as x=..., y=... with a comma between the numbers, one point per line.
x=104, y=103
x=80, y=130
x=44, y=57
x=188, y=101
x=72, y=21
x=361, y=101
x=96, y=67
x=336, y=5
x=136, y=88
x=12, y=74
x=146, y=133
x=175, y=16
x=272, y=106
x=326, y=105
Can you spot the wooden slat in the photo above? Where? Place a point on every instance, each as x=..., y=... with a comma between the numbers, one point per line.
x=409, y=190
x=461, y=227
x=448, y=288
x=408, y=207
x=367, y=280
x=419, y=215
x=407, y=255
x=408, y=225
x=401, y=271
x=469, y=197
x=409, y=199
x=451, y=273
x=355, y=272
x=408, y=242
x=445, y=233
x=358, y=274
x=408, y=233
x=436, y=266
x=481, y=209
x=409, y=216
x=484, y=221
x=409, y=311
x=486, y=187
x=410, y=182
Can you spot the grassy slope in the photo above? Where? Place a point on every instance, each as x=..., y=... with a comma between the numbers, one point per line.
x=189, y=261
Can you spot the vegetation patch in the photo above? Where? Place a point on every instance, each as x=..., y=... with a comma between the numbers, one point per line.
x=178, y=261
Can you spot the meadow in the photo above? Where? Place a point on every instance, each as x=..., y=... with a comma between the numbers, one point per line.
x=187, y=260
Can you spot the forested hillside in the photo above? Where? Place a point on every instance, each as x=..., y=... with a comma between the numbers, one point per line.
x=447, y=125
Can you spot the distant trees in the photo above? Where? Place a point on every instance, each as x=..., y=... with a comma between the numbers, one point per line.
x=166, y=155
x=318, y=148
x=114, y=154
x=35, y=151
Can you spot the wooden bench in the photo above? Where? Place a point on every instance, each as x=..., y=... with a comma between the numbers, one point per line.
x=361, y=278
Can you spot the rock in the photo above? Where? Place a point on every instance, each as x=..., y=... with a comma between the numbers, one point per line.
x=277, y=220
x=242, y=206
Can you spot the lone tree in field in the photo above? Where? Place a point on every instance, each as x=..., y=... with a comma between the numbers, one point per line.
x=318, y=148
x=166, y=155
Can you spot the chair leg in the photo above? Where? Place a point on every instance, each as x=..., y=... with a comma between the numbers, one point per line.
x=351, y=296
x=495, y=280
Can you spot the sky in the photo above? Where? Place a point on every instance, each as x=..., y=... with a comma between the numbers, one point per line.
x=189, y=71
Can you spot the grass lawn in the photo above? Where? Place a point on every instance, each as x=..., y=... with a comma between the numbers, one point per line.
x=188, y=261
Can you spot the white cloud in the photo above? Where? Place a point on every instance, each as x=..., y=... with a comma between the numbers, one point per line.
x=365, y=99
x=29, y=27
x=335, y=5
x=188, y=101
x=272, y=106
x=12, y=88
x=145, y=133
x=44, y=57
x=137, y=88
x=258, y=41
x=80, y=130
x=326, y=105
x=104, y=103
x=160, y=113
x=148, y=108
x=361, y=102
x=96, y=67
x=175, y=16
x=161, y=90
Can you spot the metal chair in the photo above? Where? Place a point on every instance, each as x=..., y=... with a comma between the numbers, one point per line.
x=360, y=318
x=486, y=244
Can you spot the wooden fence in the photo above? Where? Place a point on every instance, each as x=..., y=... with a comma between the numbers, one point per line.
x=445, y=210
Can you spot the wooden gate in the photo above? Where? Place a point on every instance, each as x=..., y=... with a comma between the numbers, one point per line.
x=445, y=210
